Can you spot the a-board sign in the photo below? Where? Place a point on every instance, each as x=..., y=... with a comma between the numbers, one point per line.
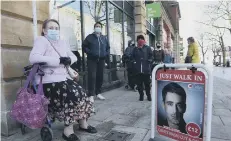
x=180, y=104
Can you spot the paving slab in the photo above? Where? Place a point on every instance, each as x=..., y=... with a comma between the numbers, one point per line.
x=222, y=112
x=122, y=112
x=122, y=119
x=226, y=121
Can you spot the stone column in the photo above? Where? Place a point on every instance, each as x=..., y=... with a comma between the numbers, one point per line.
x=176, y=47
x=159, y=33
x=140, y=18
x=17, y=41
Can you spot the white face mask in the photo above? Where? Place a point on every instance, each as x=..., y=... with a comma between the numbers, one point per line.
x=97, y=30
x=53, y=34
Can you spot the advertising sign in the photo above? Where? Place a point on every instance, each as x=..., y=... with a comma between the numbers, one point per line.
x=154, y=10
x=180, y=104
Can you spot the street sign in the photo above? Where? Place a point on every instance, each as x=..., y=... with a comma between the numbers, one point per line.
x=153, y=10
x=178, y=102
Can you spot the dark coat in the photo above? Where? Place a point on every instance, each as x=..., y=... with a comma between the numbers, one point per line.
x=96, y=47
x=127, y=57
x=142, y=59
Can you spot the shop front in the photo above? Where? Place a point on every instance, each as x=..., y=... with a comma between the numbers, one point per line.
x=77, y=19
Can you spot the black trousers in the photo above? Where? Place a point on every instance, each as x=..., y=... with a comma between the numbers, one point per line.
x=95, y=70
x=143, y=80
x=131, y=78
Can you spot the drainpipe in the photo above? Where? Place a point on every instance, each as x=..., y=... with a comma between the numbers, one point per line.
x=34, y=19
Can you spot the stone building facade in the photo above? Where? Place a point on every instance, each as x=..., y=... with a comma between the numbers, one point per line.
x=167, y=27
x=16, y=43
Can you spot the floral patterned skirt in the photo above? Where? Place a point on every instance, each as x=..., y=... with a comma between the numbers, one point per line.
x=68, y=101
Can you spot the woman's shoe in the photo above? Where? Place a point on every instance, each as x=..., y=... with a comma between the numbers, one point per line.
x=72, y=137
x=90, y=129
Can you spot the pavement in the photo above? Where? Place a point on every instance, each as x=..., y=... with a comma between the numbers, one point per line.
x=121, y=113
x=222, y=72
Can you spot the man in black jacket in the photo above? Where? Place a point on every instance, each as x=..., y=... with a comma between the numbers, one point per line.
x=97, y=48
x=142, y=58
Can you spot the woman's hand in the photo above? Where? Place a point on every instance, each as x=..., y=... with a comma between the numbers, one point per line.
x=76, y=76
x=65, y=61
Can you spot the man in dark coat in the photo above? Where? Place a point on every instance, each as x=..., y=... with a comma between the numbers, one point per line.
x=97, y=48
x=142, y=59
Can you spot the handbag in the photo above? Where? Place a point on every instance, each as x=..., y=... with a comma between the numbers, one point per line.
x=72, y=73
x=30, y=108
x=188, y=59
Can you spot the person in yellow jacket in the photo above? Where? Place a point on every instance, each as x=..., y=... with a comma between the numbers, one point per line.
x=193, y=50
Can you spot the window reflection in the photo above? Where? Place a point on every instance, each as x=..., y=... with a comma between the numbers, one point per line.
x=116, y=36
x=70, y=28
x=128, y=29
x=94, y=11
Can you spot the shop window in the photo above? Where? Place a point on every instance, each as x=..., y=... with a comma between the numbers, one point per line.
x=128, y=29
x=94, y=11
x=116, y=35
x=128, y=8
x=118, y=3
x=68, y=15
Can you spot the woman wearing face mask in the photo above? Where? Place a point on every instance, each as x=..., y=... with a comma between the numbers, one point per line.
x=158, y=55
x=142, y=59
x=68, y=101
x=97, y=48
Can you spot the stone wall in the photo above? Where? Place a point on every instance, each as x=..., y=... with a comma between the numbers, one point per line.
x=140, y=18
x=16, y=43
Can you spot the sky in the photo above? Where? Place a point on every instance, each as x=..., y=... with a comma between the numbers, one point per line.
x=192, y=11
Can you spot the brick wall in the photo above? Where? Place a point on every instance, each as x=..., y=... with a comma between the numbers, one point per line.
x=16, y=43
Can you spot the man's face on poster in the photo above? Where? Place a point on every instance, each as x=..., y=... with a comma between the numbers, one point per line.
x=174, y=107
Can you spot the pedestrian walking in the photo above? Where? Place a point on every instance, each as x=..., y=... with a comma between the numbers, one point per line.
x=142, y=58
x=193, y=52
x=97, y=48
x=68, y=100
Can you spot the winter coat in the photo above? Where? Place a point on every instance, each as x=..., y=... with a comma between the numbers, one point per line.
x=43, y=52
x=96, y=47
x=194, y=52
x=127, y=57
x=142, y=59
x=158, y=55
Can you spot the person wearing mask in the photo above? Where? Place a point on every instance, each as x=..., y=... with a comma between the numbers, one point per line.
x=193, y=52
x=129, y=64
x=158, y=55
x=167, y=56
x=97, y=48
x=142, y=58
x=68, y=100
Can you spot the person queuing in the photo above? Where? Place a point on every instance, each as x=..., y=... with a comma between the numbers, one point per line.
x=142, y=59
x=68, y=100
x=158, y=55
x=97, y=48
x=167, y=56
x=193, y=52
x=129, y=64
